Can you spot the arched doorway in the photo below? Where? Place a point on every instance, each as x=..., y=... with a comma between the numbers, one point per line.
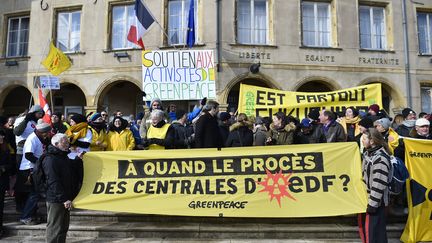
x=315, y=86
x=17, y=101
x=233, y=95
x=68, y=99
x=121, y=95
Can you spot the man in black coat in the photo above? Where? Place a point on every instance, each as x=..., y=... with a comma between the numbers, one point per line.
x=63, y=179
x=207, y=134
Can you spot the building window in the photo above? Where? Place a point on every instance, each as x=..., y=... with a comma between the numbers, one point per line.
x=69, y=31
x=178, y=15
x=18, y=35
x=316, y=24
x=252, y=22
x=424, y=32
x=122, y=19
x=372, y=28
x=426, y=99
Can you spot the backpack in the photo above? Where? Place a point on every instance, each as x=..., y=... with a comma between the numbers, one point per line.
x=38, y=176
x=397, y=176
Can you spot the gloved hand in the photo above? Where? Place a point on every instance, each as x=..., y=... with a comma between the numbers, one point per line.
x=203, y=101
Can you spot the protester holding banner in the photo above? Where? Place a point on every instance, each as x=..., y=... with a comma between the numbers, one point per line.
x=350, y=122
x=333, y=131
x=281, y=130
x=62, y=186
x=375, y=170
x=119, y=137
x=99, y=134
x=240, y=134
x=79, y=134
x=224, y=125
x=160, y=135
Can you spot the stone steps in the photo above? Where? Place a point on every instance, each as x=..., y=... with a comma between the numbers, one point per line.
x=92, y=226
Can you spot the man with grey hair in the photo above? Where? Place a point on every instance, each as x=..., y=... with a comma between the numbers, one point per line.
x=61, y=174
x=160, y=135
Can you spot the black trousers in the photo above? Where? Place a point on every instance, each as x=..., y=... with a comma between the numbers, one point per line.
x=372, y=227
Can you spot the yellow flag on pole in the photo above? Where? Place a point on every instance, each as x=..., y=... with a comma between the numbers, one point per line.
x=56, y=62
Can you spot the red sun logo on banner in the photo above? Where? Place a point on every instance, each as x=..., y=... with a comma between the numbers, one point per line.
x=276, y=185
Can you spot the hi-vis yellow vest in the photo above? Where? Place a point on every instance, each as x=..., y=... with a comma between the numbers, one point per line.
x=155, y=132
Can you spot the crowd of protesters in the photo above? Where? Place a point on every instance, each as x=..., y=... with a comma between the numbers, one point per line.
x=23, y=140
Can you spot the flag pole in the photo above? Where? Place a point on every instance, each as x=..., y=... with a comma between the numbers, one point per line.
x=37, y=72
x=163, y=31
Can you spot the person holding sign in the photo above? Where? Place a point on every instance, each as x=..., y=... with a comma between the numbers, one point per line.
x=375, y=170
x=120, y=138
x=160, y=135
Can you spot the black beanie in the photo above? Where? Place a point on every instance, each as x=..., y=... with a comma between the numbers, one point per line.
x=78, y=118
x=314, y=114
x=366, y=122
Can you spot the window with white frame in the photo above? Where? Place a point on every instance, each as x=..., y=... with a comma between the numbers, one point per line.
x=178, y=15
x=424, y=26
x=252, y=22
x=372, y=28
x=316, y=23
x=69, y=31
x=426, y=99
x=17, y=37
x=122, y=19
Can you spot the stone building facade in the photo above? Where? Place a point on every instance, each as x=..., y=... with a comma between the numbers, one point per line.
x=290, y=45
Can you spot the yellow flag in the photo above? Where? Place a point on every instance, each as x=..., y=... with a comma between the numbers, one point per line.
x=56, y=62
x=418, y=159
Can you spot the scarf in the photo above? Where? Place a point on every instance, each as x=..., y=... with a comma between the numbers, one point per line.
x=77, y=131
x=353, y=120
x=98, y=126
x=409, y=123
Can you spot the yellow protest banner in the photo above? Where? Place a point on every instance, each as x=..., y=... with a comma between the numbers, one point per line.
x=56, y=62
x=275, y=181
x=259, y=101
x=418, y=159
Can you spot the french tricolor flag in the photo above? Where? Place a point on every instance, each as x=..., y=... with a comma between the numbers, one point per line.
x=144, y=19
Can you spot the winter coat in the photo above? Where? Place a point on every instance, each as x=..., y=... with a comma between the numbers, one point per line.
x=283, y=135
x=316, y=135
x=120, y=141
x=165, y=139
x=375, y=171
x=334, y=132
x=403, y=130
x=207, y=134
x=100, y=136
x=224, y=132
x=183, y=135
x=350, y=127
x=63, y=175
x=240, y=135
x=260, y=136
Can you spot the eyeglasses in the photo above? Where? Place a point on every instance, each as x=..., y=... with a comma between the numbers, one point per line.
x=104, y=114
